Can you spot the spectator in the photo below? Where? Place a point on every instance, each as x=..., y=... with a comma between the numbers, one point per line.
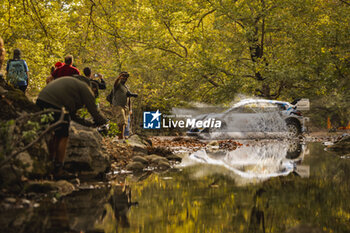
x=58, y=65
x=2, y=53
x=17, y=71
x=95, y=84
x=120, y=102
x=72, y=94
x=101, y=83
x=53, y=68
x=67, y=69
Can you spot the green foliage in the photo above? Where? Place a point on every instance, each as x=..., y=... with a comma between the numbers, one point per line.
x=15, y=134
x=186, y=51
x=6, y=137
x=46, y=118
x=113, y=130
x=83, y=113
x=30, y=132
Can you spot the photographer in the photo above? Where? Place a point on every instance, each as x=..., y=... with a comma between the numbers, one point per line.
x=119, y=102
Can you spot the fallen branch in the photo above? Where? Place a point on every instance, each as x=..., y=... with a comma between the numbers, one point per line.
x=49, y=110
x=49, y=129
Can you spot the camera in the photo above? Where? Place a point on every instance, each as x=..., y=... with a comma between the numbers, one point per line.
x=129, y=94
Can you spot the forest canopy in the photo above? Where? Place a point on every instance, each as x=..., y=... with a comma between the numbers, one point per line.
x=181, y=51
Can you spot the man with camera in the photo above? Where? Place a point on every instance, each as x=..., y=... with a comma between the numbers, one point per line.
x=120, y=98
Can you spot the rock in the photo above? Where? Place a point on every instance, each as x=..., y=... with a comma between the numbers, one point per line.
x=10, y=200
x=342, y=145
x=41, y=164
x=135, y=166
x=162, y=151
x=155, y=159
x=174, y=157
x=31, y=163
x=140, y=159
x=10, y=176
x=137, y=144
x=85, y=152
x=26, y=161
x=63, y=187
x=15, y=103
x=158, y=161
x=213, y=143
x=163, y=165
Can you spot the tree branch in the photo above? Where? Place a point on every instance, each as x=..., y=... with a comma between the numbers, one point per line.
x=50, y=128
x=115, y=34
x=49, y=110
x=210, y=80
x=345, y=2
x=39, y=19
x=203, y=16
x=278, y=93
x=157, y=47
x=175, y=39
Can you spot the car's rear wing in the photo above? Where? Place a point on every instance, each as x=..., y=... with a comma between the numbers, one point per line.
x=302, y=104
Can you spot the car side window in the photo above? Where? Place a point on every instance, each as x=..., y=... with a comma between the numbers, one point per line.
x=249, y=108
x=268, y=107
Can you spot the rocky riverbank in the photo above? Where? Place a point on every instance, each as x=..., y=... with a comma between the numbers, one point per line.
x=25, y=167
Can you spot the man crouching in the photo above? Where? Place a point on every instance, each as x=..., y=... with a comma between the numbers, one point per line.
x=72, y=93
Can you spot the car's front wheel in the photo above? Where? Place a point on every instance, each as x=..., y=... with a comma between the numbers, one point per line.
x=293, y=128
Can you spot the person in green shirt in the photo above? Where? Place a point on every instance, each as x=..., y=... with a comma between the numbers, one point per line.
x=72, y=93
x=120, y=102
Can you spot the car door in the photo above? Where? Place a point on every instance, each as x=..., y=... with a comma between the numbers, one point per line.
x=239, y=119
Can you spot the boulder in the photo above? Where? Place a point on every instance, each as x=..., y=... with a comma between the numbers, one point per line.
x=32, y=163
x=10, y=176
x=15, y=103
x=62, y=187
x=137, y=144
x=163, y=165
x=140, y=159
x=85, y=152
x=26, y=161
x=158, y=161
x=155, y=158
x=135, y=166
x=174, y=157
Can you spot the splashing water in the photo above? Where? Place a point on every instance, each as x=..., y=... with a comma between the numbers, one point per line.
x=249, y=118
x=257, y=162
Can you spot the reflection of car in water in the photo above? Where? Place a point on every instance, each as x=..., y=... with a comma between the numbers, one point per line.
x=295, y=150
x=259, y=161
x=258, y=115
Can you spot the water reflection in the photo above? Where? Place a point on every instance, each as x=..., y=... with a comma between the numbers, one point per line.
x=257, y=214
x=253, y=162
x=213, y=202
x=94, y=210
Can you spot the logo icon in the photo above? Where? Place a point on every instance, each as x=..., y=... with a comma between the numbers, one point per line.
x=151, y=120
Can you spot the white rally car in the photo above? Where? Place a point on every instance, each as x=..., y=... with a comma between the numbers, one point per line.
x=254, y=116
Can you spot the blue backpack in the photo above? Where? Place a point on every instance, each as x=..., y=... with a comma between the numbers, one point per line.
x=16, y=73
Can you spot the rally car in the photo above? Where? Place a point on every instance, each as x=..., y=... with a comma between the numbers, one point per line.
x=254, y=116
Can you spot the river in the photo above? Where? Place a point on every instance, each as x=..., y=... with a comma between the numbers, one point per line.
x=260, y=187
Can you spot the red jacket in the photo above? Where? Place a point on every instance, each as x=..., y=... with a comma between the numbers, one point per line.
x=66, y=70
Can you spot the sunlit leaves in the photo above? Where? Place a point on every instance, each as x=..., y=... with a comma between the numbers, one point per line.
x=183, y=51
